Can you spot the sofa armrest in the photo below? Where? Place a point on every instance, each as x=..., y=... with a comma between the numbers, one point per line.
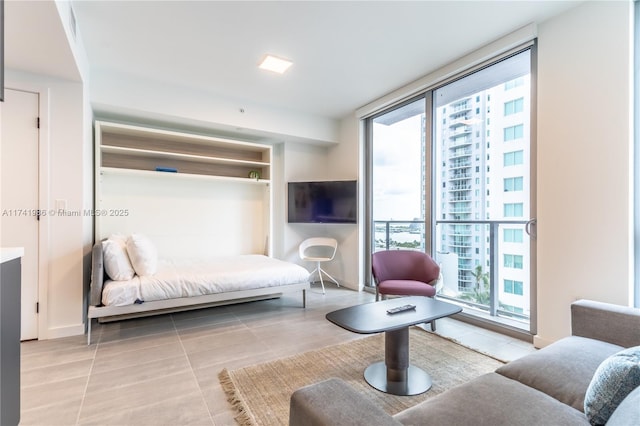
x=610, y=323
x=334, y=402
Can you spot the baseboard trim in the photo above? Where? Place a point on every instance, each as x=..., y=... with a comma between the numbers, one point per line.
x=67, y=331
x=540, y=342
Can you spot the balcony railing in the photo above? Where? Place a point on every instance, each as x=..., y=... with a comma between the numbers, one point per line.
x=467, y=209
x=399, y=234
x=463, y=105
x=460, y=187
x=460, y=130
x=459, y=176
x=460, y=152
x=460, y=140
x=470, y=289
x=460, y=163
x=460, y=197
x=478, y=286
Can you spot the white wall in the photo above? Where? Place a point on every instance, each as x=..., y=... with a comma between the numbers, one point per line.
x=308, y=162
x=66, y=159
x=584, y=162
x=88, y=196
x=65, y=132
x=145, y=98
x=343, y=163
x=304, y=162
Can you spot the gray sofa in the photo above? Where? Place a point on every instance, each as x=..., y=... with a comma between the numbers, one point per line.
x=547, y=387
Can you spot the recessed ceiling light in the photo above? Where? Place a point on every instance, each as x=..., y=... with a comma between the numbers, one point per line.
x=275, y=64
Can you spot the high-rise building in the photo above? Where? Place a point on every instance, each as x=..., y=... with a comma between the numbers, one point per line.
x=482, y=177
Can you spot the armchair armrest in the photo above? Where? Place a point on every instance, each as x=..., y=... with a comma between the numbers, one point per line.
x=610, y=323
x=334, y=402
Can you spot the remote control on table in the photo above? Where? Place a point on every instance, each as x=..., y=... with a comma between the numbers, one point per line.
x=400, y=309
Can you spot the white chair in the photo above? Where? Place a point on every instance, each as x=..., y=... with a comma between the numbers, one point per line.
x=319, y=250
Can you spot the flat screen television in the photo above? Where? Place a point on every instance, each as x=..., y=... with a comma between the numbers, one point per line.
x=323, y=202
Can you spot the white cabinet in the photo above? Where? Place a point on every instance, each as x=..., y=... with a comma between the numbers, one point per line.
x=192, y=194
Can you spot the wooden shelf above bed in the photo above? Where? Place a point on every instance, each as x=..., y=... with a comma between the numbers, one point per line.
x=105, y=171
x=120, y=146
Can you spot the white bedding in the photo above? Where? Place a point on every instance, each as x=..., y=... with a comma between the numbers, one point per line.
x=188, y=278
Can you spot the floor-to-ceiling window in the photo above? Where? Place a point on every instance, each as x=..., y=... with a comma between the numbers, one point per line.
x=451, y=174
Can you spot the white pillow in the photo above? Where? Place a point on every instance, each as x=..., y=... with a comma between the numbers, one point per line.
x=116, y=260
x=143, y=254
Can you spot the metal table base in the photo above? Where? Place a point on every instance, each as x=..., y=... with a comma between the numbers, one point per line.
x=395, y=375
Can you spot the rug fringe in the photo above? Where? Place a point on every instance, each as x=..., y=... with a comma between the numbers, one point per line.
x=243, y=415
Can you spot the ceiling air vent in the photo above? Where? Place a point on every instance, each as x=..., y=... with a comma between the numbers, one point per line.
x=72, y=22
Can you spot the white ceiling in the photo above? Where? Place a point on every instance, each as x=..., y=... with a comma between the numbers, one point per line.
x=345, y=54
x=34, y=40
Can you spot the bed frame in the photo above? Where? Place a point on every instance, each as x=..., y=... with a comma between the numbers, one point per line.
x=156, y=307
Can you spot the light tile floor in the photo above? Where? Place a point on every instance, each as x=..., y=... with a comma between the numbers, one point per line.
x=163, y=369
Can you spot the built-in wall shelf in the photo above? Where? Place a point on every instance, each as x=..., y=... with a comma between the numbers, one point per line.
x=115, y=171
x=192, y=195
x=121, y=146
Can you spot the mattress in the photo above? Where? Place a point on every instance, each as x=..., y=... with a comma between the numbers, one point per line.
x=189, y=278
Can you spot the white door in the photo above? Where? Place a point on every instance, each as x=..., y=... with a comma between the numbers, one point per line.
x=19, y=151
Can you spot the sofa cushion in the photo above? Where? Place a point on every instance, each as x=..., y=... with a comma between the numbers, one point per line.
x=614, y=379
x=627, y=413
x=491, y=400
x=562, y=370
x=334, y=402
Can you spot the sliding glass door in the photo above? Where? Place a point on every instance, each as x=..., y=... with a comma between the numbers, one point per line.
x=451, y=174
x=482, y=189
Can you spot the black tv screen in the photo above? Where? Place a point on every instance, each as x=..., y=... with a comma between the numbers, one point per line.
x=323, y=202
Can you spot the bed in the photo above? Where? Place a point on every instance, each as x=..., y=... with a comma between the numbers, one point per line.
x=178, y=285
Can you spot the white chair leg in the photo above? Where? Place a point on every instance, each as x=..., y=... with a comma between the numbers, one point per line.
x=320, y=275
x=322, y=271
x=311, y=274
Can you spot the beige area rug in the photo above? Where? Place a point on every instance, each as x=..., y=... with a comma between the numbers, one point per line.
x=260, y=393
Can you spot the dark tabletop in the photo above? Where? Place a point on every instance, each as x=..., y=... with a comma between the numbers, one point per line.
x=373, y=317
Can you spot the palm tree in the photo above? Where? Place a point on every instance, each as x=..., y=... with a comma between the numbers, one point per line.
x=481, y=297
x=481, y=278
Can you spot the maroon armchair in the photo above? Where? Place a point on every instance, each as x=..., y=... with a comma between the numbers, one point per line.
x=404, y=273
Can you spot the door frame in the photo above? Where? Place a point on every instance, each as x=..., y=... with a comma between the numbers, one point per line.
x=43, y=198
